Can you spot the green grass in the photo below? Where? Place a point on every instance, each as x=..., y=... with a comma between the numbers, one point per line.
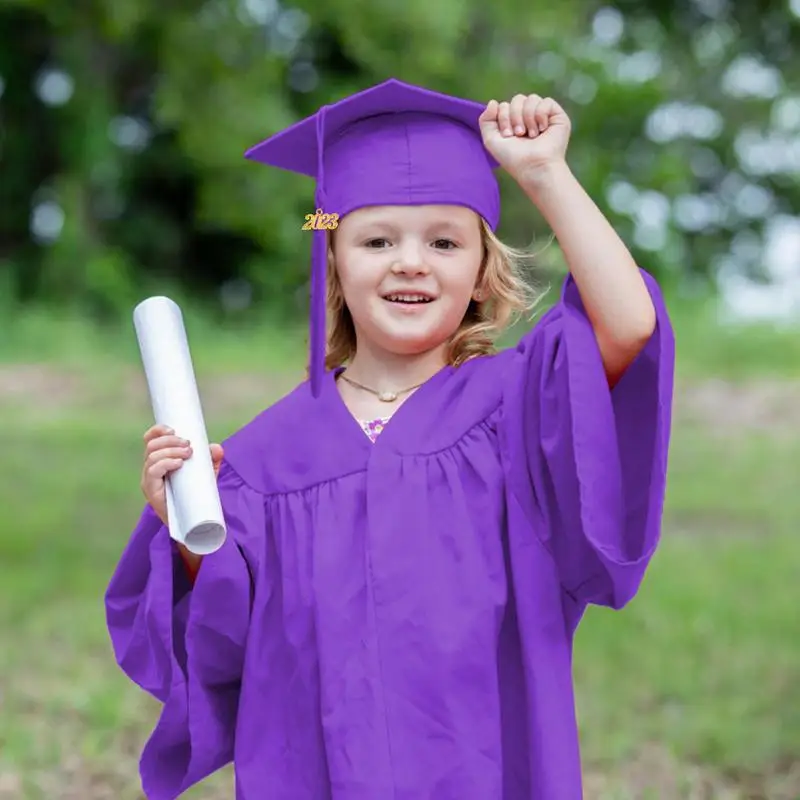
x=266, y=342
x=703, y=665
x=40, y=335
x=705, y=347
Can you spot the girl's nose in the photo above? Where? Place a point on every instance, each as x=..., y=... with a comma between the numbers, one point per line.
x=410, y=260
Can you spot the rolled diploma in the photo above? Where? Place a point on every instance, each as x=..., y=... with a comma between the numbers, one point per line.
x=194, y=509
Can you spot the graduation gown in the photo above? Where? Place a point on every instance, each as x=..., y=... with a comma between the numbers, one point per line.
x=395, y=620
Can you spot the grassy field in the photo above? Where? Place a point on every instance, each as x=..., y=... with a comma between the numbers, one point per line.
x=692, y=692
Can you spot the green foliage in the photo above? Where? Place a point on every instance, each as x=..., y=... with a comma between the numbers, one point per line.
x=142, y=153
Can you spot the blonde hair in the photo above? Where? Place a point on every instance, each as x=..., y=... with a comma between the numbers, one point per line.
x=505, y=297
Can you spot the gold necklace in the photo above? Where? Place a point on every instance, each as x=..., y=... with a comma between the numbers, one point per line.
x=385, y=396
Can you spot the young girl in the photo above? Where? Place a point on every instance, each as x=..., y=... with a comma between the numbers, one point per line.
x=392, y=613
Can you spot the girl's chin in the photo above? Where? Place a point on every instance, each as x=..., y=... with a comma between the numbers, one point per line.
x=412, y=345
x=409, y=336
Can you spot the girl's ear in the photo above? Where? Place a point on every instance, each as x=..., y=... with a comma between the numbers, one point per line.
x=479, y=293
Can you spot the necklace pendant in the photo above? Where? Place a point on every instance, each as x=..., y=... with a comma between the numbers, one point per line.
x=387, y=397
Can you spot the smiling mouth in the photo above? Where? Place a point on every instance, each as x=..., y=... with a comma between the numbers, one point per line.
x=407, y=299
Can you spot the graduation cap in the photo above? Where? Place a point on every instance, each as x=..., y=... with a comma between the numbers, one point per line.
x=391, y=144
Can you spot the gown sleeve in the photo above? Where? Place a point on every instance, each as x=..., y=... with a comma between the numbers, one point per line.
x=588, y=463
x=184, y=643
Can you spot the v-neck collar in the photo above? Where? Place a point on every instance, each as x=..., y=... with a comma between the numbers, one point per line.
x=392, y=429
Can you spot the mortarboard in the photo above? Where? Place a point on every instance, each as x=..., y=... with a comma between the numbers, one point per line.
x=391, y=144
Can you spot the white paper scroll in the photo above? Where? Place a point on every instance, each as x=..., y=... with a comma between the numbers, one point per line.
x=193, y=504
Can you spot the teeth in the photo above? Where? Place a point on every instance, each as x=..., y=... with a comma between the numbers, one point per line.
x=408, y=298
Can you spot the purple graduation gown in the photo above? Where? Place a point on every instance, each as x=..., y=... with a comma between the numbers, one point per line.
x=395, y=620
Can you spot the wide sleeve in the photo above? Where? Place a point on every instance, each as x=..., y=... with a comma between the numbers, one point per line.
x=185, y=644
x=588, y=463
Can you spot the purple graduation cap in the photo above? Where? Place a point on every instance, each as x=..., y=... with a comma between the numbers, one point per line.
x=392, y=144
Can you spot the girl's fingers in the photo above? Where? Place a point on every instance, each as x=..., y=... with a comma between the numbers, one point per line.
x=544, y=110
x=504, y=120
x=161, y=469
x=525, y=115
x=489, y=114
x=532, y=102
x=164, y=442
x=157, y=430
x=180, y=453
x=516, y=111
x=165, y=452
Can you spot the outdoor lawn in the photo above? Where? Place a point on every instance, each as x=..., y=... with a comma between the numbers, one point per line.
x=692, y=692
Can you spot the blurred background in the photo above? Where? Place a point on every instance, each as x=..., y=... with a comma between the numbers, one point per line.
x=122, y=129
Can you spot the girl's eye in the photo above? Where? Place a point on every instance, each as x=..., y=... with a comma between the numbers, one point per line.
x=444, y=244
x=377, y=243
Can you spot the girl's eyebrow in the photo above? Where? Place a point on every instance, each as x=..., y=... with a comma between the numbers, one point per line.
x=383, y=226
x=448, y=226
x=374, y=229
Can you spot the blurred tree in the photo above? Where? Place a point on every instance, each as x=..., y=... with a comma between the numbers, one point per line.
x=123, y=125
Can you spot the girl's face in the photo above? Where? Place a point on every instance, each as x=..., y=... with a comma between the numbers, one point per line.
x=408, y=273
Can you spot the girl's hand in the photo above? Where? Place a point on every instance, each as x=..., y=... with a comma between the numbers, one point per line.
x=164, y=453
x=525, y=135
